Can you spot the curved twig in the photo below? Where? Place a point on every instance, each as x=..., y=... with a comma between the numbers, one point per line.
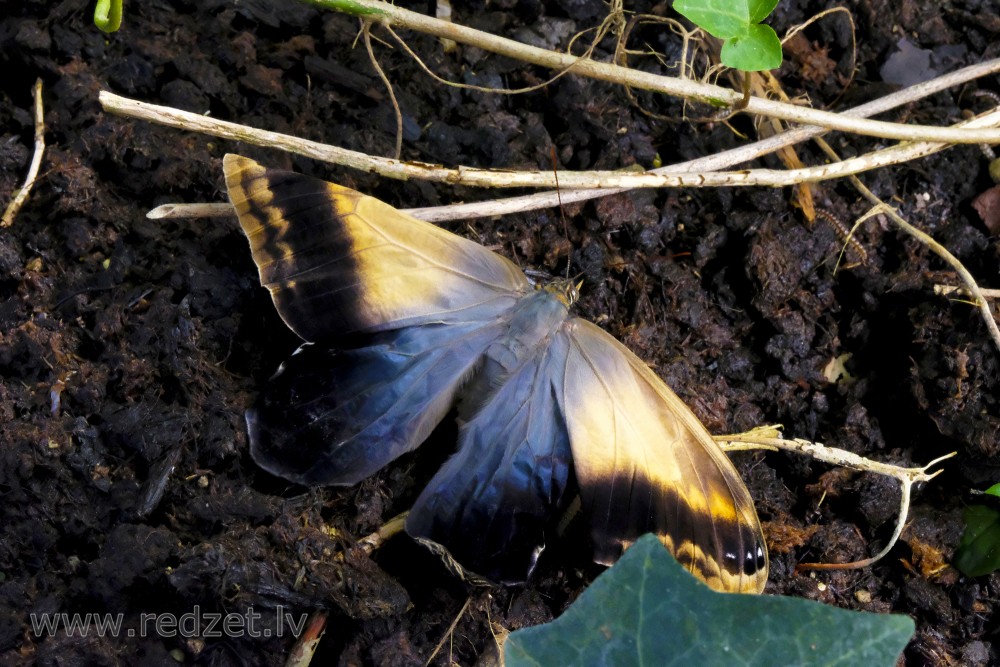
x=36, y=161
x=382, y=12
x=907, y=477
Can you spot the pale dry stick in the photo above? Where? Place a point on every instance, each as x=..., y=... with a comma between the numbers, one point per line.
x=366, y=32
x=471, y=176
x=36, y=161
x=382, y=12
x=508, y=179
x=907, y=477
x=195, y=210
x=713, y=162
x=970, y=283
x=945, y=290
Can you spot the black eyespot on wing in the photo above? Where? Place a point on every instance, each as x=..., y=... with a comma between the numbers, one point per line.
x=644, y=463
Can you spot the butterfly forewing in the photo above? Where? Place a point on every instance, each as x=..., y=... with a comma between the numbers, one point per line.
x=346, y=269
x=339, y=263
x=644, y=463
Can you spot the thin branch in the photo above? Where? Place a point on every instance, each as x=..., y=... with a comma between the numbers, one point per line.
x=196, y=210
x=389, y=529
x=945, y=290
x=305, y=647
x=713, y=162
x=382, y=12
x=763, y=439
x=366, y=32
x=448, y=632
x=970, y=283
x=36, y=161
x=508, y=179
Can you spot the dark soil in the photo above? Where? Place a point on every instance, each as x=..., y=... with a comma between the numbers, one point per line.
x=129, y=349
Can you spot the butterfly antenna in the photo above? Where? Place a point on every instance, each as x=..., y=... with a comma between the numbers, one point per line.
x=562, y=213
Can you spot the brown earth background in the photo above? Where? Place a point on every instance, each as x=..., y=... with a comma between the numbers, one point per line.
x=130, y=348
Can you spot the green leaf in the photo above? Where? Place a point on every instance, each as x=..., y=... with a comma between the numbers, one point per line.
x=761, y=9
x=725, y=18
x=748, y=46
x=993, y=490
x=758, y=49
x=647, y=610
x=978, y=552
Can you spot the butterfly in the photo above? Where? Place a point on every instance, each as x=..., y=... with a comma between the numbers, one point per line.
x=404, y=322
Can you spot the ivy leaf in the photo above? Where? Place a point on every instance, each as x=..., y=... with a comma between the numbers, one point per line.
x=756, y=50
x=648, y=610
x=978, y=552
x=725, y=18
x=749, y=46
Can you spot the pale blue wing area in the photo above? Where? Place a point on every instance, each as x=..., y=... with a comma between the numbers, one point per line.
x=491, y=504
x=337, y=416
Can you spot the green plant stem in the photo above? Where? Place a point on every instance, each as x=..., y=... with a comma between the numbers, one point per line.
x=382, y=12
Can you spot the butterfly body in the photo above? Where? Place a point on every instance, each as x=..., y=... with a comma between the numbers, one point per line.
x=405, y=321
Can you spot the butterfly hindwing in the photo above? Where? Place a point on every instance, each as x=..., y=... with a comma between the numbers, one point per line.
x=339, y=263
x=644, y=463
x=492, y=503
x=337, y=416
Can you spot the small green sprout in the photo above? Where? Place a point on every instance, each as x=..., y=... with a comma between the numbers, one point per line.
x=108, y=15
x=748, y=45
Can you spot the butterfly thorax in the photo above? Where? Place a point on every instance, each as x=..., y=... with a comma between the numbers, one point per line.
x=534, y=319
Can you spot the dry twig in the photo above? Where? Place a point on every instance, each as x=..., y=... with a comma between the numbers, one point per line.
x=36, y=161
x=509, y=179
x=768, y=437
x=880, y=207
x=381, y=12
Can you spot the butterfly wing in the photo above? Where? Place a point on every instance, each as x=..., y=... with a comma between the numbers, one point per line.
x=417, y=304
x=644, y=463
x=490, y=504
x=334, y=416
x=340, y=263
